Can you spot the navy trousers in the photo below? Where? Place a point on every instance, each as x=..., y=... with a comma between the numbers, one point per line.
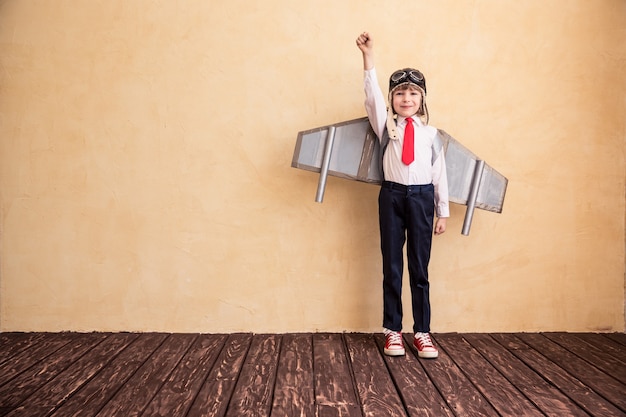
x=406, y=215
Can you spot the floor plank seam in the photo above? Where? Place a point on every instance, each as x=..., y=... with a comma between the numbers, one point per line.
x=206, y=376
x=348, y=356
x=393, y=378
x=467, y=376
x=130, y=376
x=539, y=371
x=236, y=380
x=275, y=376
x=513, y=352
x=167, y=377
x=590, y=364
x=87, y=381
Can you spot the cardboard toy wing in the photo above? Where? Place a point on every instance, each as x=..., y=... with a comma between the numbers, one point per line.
x=351, y=150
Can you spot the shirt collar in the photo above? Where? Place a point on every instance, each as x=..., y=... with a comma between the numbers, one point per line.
x=417, y=120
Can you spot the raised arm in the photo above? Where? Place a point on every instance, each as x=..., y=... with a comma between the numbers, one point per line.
x=374, y=101
x=366, y=45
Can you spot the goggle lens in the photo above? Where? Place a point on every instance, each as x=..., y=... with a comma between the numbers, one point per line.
x=414, y=76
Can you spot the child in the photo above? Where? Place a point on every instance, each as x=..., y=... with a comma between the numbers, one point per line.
x=414, y=186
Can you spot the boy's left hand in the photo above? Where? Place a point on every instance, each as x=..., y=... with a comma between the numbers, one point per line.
x=440, y=226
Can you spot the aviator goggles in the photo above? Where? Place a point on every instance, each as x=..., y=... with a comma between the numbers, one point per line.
x=412, y=75
x=407, y=75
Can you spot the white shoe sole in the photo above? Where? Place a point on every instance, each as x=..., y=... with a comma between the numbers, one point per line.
x=394, y=352
x=427, y=355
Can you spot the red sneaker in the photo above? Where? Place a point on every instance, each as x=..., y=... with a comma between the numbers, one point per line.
x=393, y=344
x=424, y=346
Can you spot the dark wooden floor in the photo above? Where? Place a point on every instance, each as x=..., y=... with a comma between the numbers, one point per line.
x=153, y=374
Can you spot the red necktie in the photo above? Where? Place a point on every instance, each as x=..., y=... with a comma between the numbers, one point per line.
x=408, y=153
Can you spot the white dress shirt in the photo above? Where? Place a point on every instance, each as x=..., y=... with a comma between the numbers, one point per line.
x=421, y=170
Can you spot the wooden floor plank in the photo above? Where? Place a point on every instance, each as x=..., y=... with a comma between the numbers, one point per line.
x=28, y=357
x=582, y=395
x=14, y=343
x=617, y=337
x=546, y=397
x=56, y=391
x=418, y=393
x=377, y=392
x=28, y=382
x=507, y=399
x=176, y=396
x=335, y=394
x=606, y=344
x=591, y=353
x=317, y=375
x=135, y=395
x=294, y=394
x=94, y=395
x=215, y=393
x=458, y=391
x=602, y=383
x=255, y=387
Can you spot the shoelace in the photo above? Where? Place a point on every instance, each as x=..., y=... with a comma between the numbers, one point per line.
x=424, y=340
x=394, y=338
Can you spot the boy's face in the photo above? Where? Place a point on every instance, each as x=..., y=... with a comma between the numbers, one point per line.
x=406, y=101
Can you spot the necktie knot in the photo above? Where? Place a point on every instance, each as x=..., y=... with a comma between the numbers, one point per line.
x=408, y=152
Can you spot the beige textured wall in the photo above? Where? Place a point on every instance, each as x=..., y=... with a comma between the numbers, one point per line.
x=146, y=146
